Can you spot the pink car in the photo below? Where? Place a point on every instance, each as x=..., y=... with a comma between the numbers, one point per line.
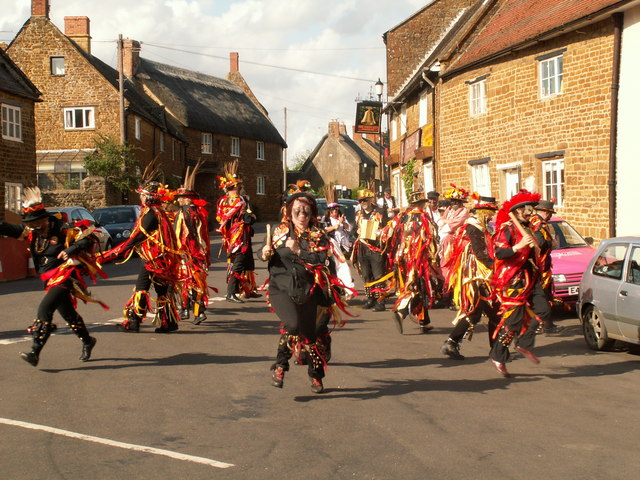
x=570, y=256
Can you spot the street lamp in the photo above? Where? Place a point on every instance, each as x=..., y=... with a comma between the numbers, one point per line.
x=379, y=88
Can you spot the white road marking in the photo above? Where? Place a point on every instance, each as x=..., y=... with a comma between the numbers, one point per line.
x=113, y=443
x=9, y=341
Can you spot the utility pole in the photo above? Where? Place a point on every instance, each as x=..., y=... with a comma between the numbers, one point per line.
x=121, y=89
x=284, y=154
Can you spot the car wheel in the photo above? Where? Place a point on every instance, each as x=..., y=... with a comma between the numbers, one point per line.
x=594, y=332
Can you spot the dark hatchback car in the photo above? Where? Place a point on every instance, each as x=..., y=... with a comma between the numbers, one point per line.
x=118, y=220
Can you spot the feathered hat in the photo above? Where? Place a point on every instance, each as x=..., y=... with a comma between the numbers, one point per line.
x=520, y=199
x=230, y=178
x=416, y=197
x=149, y=185
x=303, y=185
x=456, y=193
x=188, y=187
x=483, y=203
x=32, y=206
x=364, y=194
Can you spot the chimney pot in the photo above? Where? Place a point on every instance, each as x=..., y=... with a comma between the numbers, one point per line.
x=40, y=8
x=234, y=60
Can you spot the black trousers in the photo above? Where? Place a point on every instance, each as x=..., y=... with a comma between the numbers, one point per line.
x=371, y=264
x=491, y=311
x=240, y=263
x=298, y=321
x=540, y=305
x=57, y=298
x=144, y=282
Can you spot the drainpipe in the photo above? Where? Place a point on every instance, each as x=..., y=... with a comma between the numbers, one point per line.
x=433, y=110
x=618, y=19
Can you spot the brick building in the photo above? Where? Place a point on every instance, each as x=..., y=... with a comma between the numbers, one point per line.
x=17, y=159
x=81, y=99
x=340, y=160
x=523, y=98
x=221, y=120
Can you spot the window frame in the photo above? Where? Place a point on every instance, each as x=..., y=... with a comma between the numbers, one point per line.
x=261, y=185
x=235, y=146
x=14, y=198
x=260, y=150
x=11, y=128
x=554, y=190
x=481, y=171
x=137, y=127
x=602, y=270
x=478, y=98
x=84, y=110
x=551, y=79
x=52, y=60
x=423, y=109
x=403, y=120
x=161, y=142
x=206, y=143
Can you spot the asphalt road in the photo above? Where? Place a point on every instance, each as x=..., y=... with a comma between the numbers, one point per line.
x=186, y=404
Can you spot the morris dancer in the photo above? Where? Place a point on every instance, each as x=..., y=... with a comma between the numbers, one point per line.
x=471, y=267
x=515, y=279
x=235, y=218
x=192, y=232
x=453, y=218
x=62, y=254
x=154, y=239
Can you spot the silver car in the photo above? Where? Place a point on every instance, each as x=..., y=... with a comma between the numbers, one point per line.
x=609, y=301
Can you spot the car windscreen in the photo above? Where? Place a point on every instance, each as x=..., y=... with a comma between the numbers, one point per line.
x=109, y=216
x=565, y=236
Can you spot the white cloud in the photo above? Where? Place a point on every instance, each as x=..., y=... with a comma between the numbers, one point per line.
x=342, y=37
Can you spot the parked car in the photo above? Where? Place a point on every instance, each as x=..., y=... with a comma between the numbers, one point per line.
x=570, y=256
x=609, y=302
x=118, y=220
x=75, y=214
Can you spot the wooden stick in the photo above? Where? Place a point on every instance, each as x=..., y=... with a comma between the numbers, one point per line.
x=525, y=231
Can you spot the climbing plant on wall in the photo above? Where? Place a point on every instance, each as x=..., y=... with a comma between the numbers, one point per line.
x=407, y=177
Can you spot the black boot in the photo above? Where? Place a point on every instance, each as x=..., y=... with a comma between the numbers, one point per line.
x=30, y=357
x=379, y=306
x=87, y=348
x=234, y=299
x=451, y=349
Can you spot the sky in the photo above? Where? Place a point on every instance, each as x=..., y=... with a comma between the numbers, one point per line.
x=340, y=39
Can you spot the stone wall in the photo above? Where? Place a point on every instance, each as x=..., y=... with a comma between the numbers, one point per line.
x=93, y=194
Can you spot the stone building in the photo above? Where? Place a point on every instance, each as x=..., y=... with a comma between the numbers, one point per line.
x=81, y=100
x=221, y=120
x=17, y=159
x=523, y=98
x=340, y=160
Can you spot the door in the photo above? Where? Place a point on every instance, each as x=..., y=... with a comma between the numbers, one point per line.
x=628, y=298
x=607, y=280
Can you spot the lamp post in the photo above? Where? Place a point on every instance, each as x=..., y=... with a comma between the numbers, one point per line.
x=379, y=89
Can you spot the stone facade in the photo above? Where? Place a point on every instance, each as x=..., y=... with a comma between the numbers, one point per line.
x=520, y=130
x=93, y=194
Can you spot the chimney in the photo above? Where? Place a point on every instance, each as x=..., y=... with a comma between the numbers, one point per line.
x=130, y=56
x=334, y=129
x=343, y=129
x=234, y=59
x=77, y=29
x=356, y=135
x=40, y=8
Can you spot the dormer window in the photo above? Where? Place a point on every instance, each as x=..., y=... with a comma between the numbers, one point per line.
x=57, y=65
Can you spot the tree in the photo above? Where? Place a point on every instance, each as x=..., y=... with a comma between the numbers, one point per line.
x=116, y=163
x=298, y=160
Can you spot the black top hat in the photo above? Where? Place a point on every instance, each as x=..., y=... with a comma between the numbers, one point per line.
x=34, y=212
x=546, y=205
x=417, y=197
x=433, y=195
x=487, y=203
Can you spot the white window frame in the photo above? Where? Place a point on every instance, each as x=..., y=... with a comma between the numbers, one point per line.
x=206, y=144
x=13, y=197
x=553, y=181
x=259, y=150
x=55, y=67
x=138, y=128
x=261, y=185
x=551, y=76
x=235, y=146
x=162, y=141
x=394, y=129
x=403, y=120
x=481, y=179
x=87, y=115
x=423, y=104
x=427, y=173
x=478, y=98
x=11, y=122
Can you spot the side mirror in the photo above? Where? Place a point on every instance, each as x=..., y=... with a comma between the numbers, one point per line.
x=589, y=241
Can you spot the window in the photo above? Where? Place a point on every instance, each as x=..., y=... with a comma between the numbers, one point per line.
x=478, y=98
x=79, y=118
x=553, y=181
x=610, y=261
x=13, y=197
x=261, y=185
x=633, y=272
x=481, y=179
x=11, y=123
x=551, y=76
x=162, y=141
x=57, y=65
x=423, y=112
x=138, y=128
x=207, y=143
x=403, y=120
x=260, y=150
x=235, y=147
x=394, y=129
